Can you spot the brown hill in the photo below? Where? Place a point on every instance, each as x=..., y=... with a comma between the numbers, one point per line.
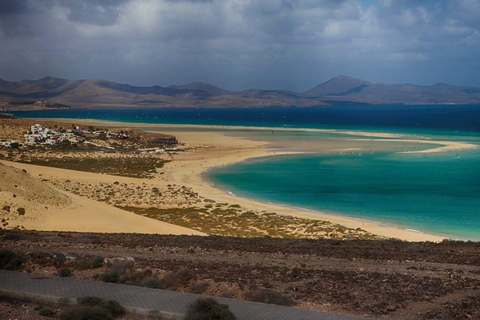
x=61, y=93
x=344, y=88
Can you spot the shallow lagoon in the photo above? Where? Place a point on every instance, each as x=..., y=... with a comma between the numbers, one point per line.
x=431, y=192
x=436, y=193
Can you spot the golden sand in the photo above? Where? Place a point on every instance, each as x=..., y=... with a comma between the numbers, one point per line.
x=204, y=150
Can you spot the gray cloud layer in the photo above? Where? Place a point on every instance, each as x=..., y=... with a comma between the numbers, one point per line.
x=238, y=44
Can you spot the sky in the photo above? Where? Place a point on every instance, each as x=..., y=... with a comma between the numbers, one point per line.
x=242, y=44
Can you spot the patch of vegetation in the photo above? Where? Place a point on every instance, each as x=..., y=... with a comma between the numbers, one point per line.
x=199, y=287
x=65, y=272
x=135, y=167
x=115, y=309
x=117, y=272
x=269, y=296
x=121, y=266
x=177, y=279
x=135, y=278
x=225, y=220
x=112, y=306
x=204, y=309
x=86, y=313
x=152, y=282
x=89, y=301
x=89, y=263
x=111, y=276
x=15, y=236
x=10, y=260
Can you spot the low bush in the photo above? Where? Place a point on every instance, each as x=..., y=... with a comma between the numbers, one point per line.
x=112, y=306
x=121, y=266
x=199, y=287
x=65, y=272
x=136, y=278
x=205, y=309
x=89, y=263
x=152, y=282
x=109, y=276
x=269, y=296
x=97, y=262
x=89, y=301
x=10, y=260
x=176, y=279
x=86, y=313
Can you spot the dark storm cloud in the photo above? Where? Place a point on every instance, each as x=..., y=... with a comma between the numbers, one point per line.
x=97, y=12
x=13, y=6
x=240, y=44
x=23, y=18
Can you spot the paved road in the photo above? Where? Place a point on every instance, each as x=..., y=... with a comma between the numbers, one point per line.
x=169, y=304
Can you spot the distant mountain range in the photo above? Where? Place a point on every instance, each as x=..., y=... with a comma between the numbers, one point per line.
x=61, y=93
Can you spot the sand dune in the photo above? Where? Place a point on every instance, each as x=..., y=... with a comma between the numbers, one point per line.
x=28, y=202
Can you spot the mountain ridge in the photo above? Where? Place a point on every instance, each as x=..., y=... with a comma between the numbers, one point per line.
x=50, y=92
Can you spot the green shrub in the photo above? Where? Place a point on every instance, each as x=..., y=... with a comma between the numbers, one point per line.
x=65, y=272
x=206, y=309
x=122, y=266
x=110, y=276
x=89, y=301
x=179, y=278
x=269, y=296
x=151, y=282
x=83, y=264
x=89, y=263
x=9, y=260
x=113, y=307
x=136, y=278
x=97, y=262
x=198, y=287
x=86, y=313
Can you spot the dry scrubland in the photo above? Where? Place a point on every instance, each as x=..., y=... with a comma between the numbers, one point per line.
x=386, y=279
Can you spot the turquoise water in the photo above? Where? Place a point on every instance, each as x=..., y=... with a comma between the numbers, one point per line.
x=436, y=193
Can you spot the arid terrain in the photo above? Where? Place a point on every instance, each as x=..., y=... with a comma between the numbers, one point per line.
x=149, y=219
x=379, y=279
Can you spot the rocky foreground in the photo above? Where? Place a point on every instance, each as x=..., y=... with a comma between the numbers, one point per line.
x=378, y=279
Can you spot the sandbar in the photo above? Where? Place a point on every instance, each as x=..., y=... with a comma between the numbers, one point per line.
x=208, y=149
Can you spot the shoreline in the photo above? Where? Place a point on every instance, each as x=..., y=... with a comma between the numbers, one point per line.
x=381, y=228
x=369, y=135
x=191, y=167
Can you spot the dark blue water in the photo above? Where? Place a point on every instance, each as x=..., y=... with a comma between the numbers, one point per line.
x=405, y=118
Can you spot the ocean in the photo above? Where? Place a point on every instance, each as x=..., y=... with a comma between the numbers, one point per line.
x=383, y=181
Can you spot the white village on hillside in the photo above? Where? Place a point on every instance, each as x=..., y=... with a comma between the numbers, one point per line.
x=39, y=135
